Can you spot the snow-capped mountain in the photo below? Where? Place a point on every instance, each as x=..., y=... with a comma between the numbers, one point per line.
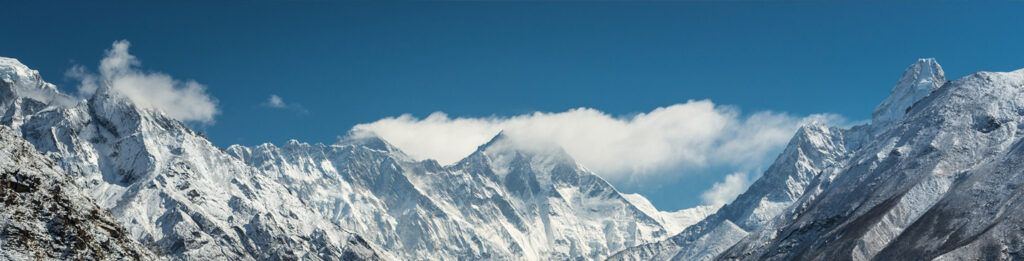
x=178, y=194
x=814, y=149
x=934, y=175
x=505, y=201
x=942, y=182
x=46, y=217
x=168, y=186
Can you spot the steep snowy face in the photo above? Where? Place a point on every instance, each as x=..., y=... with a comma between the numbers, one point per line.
x=919, y=80
x=45, y=216
x=502, y=202
x=362, y=185
x=171, y=188
x=558, y=209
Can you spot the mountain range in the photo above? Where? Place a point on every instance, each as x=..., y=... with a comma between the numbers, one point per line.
x=181, y=197
x=933, y=175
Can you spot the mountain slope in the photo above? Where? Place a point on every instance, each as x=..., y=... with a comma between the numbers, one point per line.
x=812, y=151
x=45, y=216
x=167, y=185
x=941, y=182
x=501, y=202
x=813, y=159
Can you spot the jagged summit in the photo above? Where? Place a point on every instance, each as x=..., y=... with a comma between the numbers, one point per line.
x=919, y=80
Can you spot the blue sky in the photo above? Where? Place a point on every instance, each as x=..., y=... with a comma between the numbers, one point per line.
x=341, y=64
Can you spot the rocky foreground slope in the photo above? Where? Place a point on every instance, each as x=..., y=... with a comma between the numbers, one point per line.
x=44, y=216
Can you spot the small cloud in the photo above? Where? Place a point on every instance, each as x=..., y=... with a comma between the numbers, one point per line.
x=274, y=102
x=88, y=84
x=119, y=70
x=724, y=192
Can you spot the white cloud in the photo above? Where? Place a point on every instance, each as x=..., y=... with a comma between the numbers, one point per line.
x=89, y=82
x=689, y=136
x=727, y=190
x=274, y=102
x=119, y=70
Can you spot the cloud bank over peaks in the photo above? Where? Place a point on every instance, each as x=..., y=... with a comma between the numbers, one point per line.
x=120, y=71
x=679, y=138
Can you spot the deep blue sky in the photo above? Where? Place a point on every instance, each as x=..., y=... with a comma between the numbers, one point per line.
x=350, y=63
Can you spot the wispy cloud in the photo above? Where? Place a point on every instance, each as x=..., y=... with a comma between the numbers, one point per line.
x=120, y=70
x=688, y=136
x=727, y=190
x=276, y=102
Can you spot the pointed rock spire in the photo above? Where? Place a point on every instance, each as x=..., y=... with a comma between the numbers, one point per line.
x=918, y=80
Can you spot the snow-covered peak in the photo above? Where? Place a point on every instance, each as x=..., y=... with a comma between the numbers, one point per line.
x=115, y=112
x=12, y=70
x=370, y=140
x=19, y=81
x=918, y=81
x=504, y=144
x=810, y=153
x=167, y=185
x=507, y=153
